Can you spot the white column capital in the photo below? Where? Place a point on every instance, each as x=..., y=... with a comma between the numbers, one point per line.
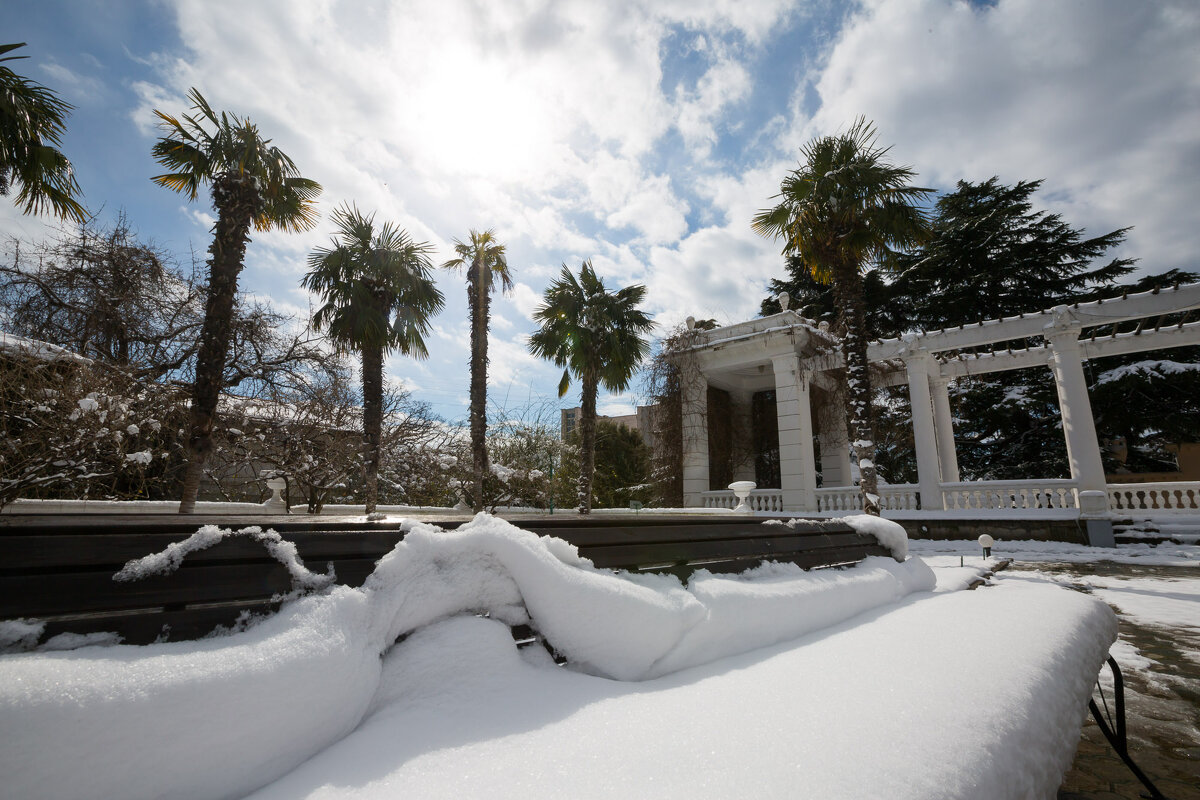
x=1064, y=331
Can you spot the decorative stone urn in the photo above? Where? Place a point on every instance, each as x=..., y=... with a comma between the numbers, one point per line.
x=741, y=490
x=275, y=503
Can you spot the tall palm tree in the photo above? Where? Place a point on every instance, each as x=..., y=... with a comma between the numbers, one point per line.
x=485, y=261
x=32, y=124
x=597, y=336
x=843, y=207
x=252, y=183
x=378, y=297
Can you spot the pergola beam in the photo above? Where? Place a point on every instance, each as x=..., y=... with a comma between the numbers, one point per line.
x=1087, y=315
x=1121, y=344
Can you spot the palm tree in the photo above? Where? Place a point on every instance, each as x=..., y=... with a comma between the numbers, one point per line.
x=485, y=261
x=32, y=124
x=597, y=336
x=843, y=207
x=252, y=183
x=378, y=297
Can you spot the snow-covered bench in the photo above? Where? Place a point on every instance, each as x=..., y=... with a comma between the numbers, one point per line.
x=776, y=682
x=62, y=574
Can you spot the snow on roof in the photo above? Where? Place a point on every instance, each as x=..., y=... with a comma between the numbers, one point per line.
x=41, y=351
x=898, y=703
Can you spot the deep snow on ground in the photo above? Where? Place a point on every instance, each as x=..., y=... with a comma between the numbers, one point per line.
x=854, y=683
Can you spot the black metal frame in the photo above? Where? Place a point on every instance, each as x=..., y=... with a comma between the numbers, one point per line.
x=1115, y=730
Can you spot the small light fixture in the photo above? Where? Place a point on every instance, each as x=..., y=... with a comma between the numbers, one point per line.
x=987, y=543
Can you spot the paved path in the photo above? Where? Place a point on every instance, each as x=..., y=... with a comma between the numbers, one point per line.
x=1162, y=685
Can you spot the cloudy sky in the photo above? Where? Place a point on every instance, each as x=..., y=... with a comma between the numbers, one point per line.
x=641, y=135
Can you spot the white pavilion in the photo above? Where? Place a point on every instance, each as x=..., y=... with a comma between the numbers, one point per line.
x=799, y=360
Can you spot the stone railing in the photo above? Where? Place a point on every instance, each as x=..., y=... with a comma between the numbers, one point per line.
x=759, y=500
x=892, y=497
x=1010, y=495
x=1177, y=497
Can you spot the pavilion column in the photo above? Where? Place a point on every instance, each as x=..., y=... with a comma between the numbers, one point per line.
x=694, y=402
x=917, y=363
x=743, y=435
x=797, y=461
x=1079, y=429
x=943, y=423
x=835, y=448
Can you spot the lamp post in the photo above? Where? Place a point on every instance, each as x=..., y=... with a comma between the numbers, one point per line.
x=987, y=543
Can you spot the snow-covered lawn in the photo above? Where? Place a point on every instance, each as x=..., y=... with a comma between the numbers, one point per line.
x=857, y=683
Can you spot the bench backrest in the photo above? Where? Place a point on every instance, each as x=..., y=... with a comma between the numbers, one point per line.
x=62, y=573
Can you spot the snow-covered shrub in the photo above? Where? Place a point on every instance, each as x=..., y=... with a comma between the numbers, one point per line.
x=70, y=429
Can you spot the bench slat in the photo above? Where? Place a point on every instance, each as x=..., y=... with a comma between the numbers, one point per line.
x=113, y=550
x=147, y=626
x=82, y=592
x=673, y=552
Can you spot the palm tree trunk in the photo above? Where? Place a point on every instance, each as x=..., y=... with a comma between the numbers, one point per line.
x=237, y=204
x=848, y=290
x=372, y=384
x=477, y=297
x=587, y=442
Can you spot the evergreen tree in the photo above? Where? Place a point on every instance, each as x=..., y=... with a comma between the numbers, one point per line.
x=1147, y=404
x=990, y=255
x=622, y=469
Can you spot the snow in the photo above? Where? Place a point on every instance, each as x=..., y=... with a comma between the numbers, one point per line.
x=889, y=534
x=1160, y=601
x=1147, y=368
x=170, y=559
x=1165, y=554
x=42, y=351
x=822, y=716
x=777, y=682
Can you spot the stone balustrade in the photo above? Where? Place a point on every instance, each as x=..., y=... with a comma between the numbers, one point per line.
x=892, y=497
x=1182, y=496
x=974, y=495
x=1011, y=495
x=759, y=500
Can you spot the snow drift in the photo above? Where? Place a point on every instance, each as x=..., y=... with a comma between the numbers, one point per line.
x=220, y=717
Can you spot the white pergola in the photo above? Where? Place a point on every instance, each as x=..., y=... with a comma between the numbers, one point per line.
x=795, y=357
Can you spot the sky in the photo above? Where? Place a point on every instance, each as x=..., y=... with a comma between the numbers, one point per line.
x=641, y=135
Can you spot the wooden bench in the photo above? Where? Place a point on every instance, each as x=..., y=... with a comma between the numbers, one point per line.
x=59, y=571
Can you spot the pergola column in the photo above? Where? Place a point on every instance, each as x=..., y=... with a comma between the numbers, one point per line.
x=694, y=402
x=793, y=407
x=743, y=435
x=917, y=363
x=943, y=424
x=1079, y=429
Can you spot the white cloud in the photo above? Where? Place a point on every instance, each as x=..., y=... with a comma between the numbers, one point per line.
x=526, y=299
x=1102, y=100
x=726, y=82
x=550, y=122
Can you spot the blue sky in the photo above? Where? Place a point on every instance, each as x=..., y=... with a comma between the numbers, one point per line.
x=642, y=135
